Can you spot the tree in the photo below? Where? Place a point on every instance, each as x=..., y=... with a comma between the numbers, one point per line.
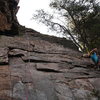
x=79, y=20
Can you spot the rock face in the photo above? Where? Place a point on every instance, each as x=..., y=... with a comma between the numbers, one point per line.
x=35, y=69
x=38, y=67
x=8, y=20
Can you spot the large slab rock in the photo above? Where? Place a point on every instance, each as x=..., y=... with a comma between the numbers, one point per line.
x=17, y=52
x=20, y=45
x=41, y=70
x=48, y=67
x=16, y=43
x=63, y=92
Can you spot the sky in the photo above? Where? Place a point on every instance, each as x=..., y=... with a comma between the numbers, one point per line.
x=25, y=13
x=27, y=8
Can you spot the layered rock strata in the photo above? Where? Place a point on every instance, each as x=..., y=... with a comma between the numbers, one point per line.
x=35, y=69
x=39, y=67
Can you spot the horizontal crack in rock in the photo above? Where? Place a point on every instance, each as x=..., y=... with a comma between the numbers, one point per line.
x=48, y=70
x=17, y=55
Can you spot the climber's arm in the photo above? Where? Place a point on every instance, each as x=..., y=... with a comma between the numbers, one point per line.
x=89, y=54
x=86, y=55
x=94, y=50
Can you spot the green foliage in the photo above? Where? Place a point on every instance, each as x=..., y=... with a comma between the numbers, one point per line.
x=81, y=21
x=90, y=30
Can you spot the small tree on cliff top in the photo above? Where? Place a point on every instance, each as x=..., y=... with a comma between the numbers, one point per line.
x=78, y=19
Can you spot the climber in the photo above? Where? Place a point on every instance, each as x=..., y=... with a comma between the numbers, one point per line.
x=93, y=54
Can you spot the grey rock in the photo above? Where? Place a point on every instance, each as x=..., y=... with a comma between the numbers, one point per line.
x=63, y=92
x=17, y=52
x=40, y=70
x=19, y=91
x=49, y=67
x=4, y=55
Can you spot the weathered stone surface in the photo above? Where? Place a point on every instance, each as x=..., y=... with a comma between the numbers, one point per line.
x=19, y=91
x=52, y=39
x=63, y=92
x=4, y=25
x=16, y=43
x=96, y=84
x=53, y=67
x=5, y=83
x=4, y=55
x=8, y=20
x=39, y=70
x=17, y=52
x=37, y=67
